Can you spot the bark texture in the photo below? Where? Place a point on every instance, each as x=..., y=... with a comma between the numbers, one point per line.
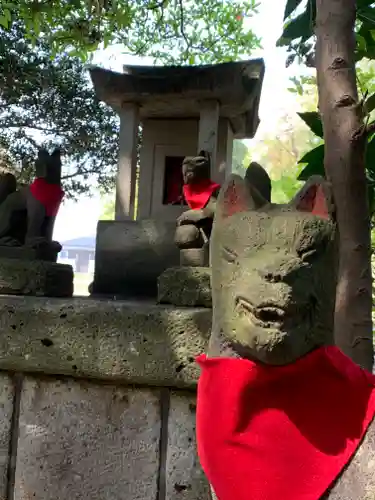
x=345, y=144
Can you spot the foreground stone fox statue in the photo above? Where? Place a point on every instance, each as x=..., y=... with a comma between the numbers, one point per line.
x=282, y=414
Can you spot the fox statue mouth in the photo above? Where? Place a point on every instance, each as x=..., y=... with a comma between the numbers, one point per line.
x=271, y=315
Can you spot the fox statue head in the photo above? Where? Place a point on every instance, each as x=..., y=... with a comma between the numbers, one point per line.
x=273, y=272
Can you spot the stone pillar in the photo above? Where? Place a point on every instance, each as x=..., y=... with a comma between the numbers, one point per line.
x=127, y=164
x=224, y=151
x=208, y=130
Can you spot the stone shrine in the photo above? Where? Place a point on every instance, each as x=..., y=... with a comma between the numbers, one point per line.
x=98, y=396
x=182, y=110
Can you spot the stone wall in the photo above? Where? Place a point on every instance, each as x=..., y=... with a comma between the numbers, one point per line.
x=97, y=400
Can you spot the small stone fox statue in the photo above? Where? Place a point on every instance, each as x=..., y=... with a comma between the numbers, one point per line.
x=27, y=215
x=282, y=414
x=194, y=225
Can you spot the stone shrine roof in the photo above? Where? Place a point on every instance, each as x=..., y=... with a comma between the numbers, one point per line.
x=177, y=91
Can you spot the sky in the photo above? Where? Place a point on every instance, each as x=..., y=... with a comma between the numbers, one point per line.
x=78, y=219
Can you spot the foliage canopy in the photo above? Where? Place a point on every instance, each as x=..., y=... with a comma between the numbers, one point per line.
x=50, y=103
x=298, y=34
x=171, y=31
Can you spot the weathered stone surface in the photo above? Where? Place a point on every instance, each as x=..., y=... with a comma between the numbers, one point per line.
x=195, y=257
x=24, y=253
x=79, y=441
x=37, y=250
x=130, y=255
x=184, y=475
x=39, y=278
x=358, y=480
x=185, y=286
x=126, y=341
x=6, y=410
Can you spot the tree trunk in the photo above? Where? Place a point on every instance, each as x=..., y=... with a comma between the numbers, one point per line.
x=344, y=162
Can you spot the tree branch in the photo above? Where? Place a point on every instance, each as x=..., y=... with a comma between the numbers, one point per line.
x=32, y=141
x=79, y=171
x=158, y=5
x=182, y=24
x=34, y=127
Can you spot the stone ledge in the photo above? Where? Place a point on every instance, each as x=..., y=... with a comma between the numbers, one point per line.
x=37, y=278
x=129, y=342
x=185, y=286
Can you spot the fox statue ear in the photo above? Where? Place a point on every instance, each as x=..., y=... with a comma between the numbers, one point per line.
x=43, y=154
x=315, y=197
x=236, y=195
x=56, y=153
x=204, y=154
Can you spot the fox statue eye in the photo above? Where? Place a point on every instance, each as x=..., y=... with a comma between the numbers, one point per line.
x=312, y=251
x=307, y=253
x=229, y=255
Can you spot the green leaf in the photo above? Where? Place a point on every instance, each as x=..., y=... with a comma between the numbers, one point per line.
x=370, y=104
x=371, y=198
x=300, y=27
x=297, y=85
x=361, y=42
x=313, y=121
x=290, y=7
x=4, y=21
x=370, y=157
x=364, y=3
x=315, y=163
x=366, y=15
x=192, y=60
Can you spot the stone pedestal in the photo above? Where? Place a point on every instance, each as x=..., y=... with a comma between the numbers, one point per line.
x=195, y=257
x=185, y=286
x=20, y=253
x=130, y=255
x=35, y=277
x=46, y=252
x=66, y=435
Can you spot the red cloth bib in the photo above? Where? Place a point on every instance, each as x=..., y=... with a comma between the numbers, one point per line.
x=280, y=433
x=49, y=195
x=197, y=195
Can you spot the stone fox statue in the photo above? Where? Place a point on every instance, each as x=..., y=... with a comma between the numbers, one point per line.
x=282, y=414
x=28, y=215
x=200, y=193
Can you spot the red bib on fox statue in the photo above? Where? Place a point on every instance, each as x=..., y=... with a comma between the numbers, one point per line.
x=198, y=194
x=280, y=433
x=49, y=195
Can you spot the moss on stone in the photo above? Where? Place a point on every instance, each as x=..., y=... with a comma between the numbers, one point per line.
x=185, y=286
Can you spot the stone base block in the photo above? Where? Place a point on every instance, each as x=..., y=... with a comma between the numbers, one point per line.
x=38, y=278
x=195, y=257
x=130, y=255
x=39, y=249
x=185, y=286
x=80, y=441
x=185, y=479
